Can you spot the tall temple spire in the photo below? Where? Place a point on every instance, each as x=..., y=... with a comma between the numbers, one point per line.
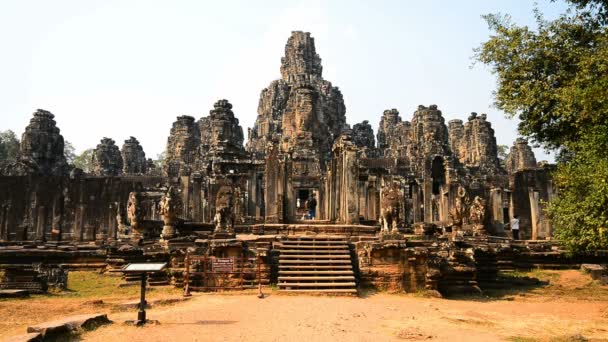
x=300, y=57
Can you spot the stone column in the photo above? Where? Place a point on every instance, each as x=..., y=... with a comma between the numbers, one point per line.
x=415, y=202
x=428, y=195
x=535, y=213
x=351, y=179
x=497, y=215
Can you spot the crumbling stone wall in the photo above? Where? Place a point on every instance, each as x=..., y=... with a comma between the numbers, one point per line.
x=62, y=208
x=391, y=266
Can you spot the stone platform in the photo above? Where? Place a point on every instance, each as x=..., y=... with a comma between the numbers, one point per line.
x=316, y=228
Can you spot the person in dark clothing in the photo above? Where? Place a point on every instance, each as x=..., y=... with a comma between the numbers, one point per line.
x=311, y=204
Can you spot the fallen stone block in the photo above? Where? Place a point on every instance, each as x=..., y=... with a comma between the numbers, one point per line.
x=14, y=293
x=594, y=270
x=69, y=324
x=30, y=337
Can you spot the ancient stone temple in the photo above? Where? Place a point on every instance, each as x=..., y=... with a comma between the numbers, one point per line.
x=417, y=176
x=133, y=158
x=107, y=159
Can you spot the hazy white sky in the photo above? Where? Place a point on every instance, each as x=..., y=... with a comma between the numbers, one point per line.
x=122, y=68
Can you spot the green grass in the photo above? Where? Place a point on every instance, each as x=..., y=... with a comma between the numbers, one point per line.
x=93, y=285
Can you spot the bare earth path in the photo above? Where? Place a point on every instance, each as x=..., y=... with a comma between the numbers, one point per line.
x=382, y=317
x=571, y=305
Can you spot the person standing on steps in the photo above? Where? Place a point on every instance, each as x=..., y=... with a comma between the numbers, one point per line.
x=515, y=227
x=311, y=204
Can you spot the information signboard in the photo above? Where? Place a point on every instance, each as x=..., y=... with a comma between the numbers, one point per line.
x=222, y=264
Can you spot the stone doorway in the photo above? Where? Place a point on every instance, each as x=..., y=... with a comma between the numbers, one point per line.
x=301, y=196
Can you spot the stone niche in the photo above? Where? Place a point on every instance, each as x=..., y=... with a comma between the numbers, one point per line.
x=133, y=157
x=107, y=159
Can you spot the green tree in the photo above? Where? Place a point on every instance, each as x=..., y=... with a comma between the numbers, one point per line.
x=554, y=78
x=160, y=160
x=9, y=147
x=503, y=152
x=83, y=160
x=69, y=152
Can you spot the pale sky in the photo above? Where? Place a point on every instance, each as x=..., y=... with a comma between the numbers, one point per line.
x=129, y=68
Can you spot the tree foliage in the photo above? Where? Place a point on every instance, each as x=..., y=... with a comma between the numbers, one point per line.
x=159, y=162
x=83, y=160
x=554, y=78
x=503, y=152
x=9, y=147
x=69, y=152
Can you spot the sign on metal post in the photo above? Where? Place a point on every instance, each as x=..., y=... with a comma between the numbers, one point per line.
x=144, y=269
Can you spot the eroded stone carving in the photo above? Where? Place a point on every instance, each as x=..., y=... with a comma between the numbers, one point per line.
x=477, y=216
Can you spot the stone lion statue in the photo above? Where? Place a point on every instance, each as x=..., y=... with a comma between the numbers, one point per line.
x=390, y=207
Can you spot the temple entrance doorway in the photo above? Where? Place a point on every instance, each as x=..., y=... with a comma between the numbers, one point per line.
x=302, y=195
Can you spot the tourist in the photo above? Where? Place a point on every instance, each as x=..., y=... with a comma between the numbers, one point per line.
x=515, y=227
x=311, y=204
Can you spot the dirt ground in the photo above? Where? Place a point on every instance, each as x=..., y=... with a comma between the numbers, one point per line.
x=570, y=308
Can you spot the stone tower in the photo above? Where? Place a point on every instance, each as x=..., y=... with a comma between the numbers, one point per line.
x=133, y=158
x=106, y=160
x=363, y=135
x=474, y=143
x=394, y=135
x=300, y=104
x=520, y=156
x=182, y=147
x=221, y=133
x=41, y=149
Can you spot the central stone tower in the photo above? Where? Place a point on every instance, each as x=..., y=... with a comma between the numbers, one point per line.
x=301, y=107
x=299, y=118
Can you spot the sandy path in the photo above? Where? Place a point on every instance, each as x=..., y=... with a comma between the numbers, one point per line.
x=382, y=317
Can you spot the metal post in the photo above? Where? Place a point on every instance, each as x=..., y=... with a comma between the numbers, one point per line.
x=141, y=315
x=260, y=294
x=187, y=276
x=204, y=273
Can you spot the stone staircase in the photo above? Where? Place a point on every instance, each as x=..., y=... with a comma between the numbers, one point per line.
x=316, y=263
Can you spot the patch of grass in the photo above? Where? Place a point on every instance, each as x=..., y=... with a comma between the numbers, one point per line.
x=93, y=285
x=521, y=339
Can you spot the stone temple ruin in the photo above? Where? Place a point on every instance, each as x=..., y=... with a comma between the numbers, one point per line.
x=421, y=204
